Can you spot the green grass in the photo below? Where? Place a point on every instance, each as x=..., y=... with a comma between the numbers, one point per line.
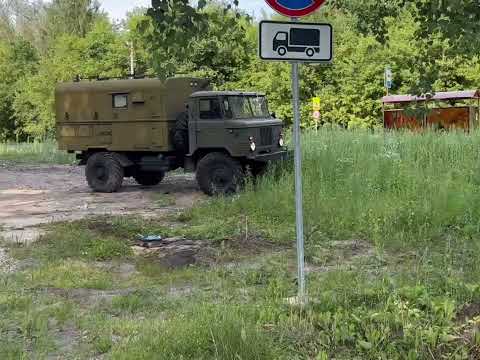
x=391, y=189
x=163, y=200
x=392, y=247
x=36, y=152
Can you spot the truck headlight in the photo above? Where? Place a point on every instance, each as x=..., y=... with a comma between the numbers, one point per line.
x=281, y=142
x=253, y=146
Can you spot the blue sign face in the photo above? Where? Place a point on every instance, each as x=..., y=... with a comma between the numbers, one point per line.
x=295, y=4
x=295, y=8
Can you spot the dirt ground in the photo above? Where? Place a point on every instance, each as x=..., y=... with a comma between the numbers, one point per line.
x=34, y=195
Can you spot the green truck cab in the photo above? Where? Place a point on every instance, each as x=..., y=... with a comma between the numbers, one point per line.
x=143, y=128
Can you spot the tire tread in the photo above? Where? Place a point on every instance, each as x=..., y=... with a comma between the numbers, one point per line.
x=203, y=172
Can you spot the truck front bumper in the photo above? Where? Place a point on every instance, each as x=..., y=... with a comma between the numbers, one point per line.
x=283, y=155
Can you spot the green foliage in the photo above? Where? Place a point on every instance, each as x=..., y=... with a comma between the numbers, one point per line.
x=430, y=45
x=222, y=50
x=100, y=53
x=205, y=40
x=169, y=29
x=370, y=14
x=72, y=17
x=70, y=240
x=17, y=61
x=366, y=301
x=35, y=152
x=455, y=20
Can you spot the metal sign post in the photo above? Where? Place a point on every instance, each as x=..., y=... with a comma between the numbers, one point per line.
x=298, y=181
x=296, y=42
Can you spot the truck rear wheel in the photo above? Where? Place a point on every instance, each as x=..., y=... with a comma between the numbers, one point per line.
x=149, y=178
x=104, y=173
x=219, y=174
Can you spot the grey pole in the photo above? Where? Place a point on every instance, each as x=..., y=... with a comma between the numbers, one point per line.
x=298, y=181
x=132, y=58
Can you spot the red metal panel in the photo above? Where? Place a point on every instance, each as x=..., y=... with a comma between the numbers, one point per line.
x=450, y=118
x=396, y=119
x=438, y=118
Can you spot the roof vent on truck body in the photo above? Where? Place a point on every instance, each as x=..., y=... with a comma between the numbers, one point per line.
x=200, y=84
x=117, y=85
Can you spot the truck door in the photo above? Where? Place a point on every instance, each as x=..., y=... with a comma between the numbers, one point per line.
x=210, y=128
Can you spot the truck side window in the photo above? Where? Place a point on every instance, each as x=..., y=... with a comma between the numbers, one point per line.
x=281, y=36
x=227, y=109
x=210, y=109
x=120, y=101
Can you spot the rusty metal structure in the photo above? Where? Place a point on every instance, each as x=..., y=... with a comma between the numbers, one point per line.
x=451, y=110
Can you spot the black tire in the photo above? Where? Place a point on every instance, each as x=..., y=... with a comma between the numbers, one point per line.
x=282, y=51
x=219, y=174
x=149, y=178
x=259, y=169
x=310, y=52
x=104, y=173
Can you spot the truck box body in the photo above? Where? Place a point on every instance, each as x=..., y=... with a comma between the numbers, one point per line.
x=304, y=37
x=121, y=115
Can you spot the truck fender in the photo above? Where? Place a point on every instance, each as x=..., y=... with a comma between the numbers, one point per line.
x=123, y=160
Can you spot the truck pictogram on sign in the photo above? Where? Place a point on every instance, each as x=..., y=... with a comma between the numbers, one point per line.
x=297, y=40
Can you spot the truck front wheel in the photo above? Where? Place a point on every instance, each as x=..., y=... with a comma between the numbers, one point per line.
x=219, y=174
x=149, y=178
x=104, y=173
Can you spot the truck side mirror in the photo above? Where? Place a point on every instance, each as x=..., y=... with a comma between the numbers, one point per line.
x=273, y=115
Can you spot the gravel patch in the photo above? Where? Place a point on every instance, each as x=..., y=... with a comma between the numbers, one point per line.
x=34, y=195
x=7, y=264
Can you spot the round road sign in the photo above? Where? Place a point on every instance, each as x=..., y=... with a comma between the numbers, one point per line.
x=295, y=8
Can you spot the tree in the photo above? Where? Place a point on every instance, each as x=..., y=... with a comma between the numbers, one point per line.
x=204, y=39
x=72, y=17
x=168, y=30
x=102, y=52
x=456, y=20
x=17, y=60
x=370, y=14
x=23, y=19
x=222, y=50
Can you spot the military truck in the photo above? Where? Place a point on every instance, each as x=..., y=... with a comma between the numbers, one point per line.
x=143, y=128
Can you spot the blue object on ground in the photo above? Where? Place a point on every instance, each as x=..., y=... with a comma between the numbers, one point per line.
x=150, y=238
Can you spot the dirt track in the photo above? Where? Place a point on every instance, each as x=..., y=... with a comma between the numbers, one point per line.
x=33, y=195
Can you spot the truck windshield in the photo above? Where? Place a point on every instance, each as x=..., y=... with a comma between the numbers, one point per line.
x=244, y=107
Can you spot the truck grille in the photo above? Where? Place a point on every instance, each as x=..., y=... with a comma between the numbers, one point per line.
x=266, y=136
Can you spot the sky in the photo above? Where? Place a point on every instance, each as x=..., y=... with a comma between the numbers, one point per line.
x=118, y=8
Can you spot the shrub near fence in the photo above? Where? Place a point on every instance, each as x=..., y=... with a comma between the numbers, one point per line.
x=34, y=152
